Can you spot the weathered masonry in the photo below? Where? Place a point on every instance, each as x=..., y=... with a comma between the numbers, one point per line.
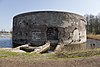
x=39, y=27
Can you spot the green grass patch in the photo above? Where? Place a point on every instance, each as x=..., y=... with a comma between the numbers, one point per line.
x=7, y=54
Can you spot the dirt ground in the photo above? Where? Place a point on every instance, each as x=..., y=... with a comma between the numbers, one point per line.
x=79, y=62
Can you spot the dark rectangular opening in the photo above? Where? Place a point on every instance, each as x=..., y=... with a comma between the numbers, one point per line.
x=52, y=33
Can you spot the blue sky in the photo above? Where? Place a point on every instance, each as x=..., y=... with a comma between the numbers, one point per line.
x=10, y=8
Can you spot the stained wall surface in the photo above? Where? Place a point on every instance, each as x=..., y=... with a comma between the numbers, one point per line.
x=58, y=27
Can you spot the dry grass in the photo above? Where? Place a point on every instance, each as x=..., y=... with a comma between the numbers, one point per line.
x=83, y=62
x=91, y=36
x=79, y=54
x=83, y=58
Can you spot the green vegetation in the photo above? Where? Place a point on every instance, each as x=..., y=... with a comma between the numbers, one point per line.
x=93, y=24
x=5, y=54
x=60, y=55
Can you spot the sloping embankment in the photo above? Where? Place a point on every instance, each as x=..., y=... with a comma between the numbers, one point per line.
x=86, y=62
x=86, y=58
